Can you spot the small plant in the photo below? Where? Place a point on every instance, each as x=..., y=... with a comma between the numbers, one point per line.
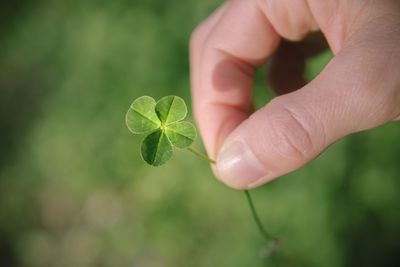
x=163, y=124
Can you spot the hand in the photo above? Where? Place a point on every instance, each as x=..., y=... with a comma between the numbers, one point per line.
x=358, y=89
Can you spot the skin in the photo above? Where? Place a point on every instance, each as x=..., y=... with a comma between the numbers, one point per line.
x=359, y=89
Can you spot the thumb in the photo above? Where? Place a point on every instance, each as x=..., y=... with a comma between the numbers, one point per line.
x=357, y=90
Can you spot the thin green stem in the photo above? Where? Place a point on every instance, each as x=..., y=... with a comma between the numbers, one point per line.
x=201, y=155
x=257, y=220
x=254, y=213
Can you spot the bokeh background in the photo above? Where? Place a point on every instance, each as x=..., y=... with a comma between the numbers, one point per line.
x=75, y=193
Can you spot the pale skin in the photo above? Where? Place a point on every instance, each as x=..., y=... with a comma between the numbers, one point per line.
x=359, y=89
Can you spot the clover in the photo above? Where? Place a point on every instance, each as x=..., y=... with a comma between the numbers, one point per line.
x=163, y=124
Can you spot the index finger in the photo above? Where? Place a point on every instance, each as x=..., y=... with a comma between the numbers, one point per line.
x=224, y=52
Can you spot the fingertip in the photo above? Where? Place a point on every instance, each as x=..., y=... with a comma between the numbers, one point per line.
x=239, y=168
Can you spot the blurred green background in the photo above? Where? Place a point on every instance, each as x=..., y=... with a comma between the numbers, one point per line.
x=74, y=191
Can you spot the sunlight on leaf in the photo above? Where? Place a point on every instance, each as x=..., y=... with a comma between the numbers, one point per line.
x=163, y=121
x=181, y=134
x=141, y=117
x=171, y=109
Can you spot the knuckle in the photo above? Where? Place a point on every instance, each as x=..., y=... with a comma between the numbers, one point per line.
x=294, y=132
x=292, y=21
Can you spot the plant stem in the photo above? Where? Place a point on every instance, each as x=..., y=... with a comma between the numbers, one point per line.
x=254, y=213
x=201, y=155
x=257, y=220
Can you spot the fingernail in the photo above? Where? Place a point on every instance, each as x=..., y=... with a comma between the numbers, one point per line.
x=238, y=167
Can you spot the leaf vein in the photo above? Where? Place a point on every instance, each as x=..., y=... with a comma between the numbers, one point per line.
x=144, y=116
x=180, y=134
x=169, y=109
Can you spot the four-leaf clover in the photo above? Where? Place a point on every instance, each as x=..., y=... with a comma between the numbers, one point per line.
x=162, y=122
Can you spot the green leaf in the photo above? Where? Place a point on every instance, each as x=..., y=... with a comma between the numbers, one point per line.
x=162, y=122
x=141, y=117
x=156, y=148
x=181, y=134
x=170, y=109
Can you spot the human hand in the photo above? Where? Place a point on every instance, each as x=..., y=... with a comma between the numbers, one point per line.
x=358, y=89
